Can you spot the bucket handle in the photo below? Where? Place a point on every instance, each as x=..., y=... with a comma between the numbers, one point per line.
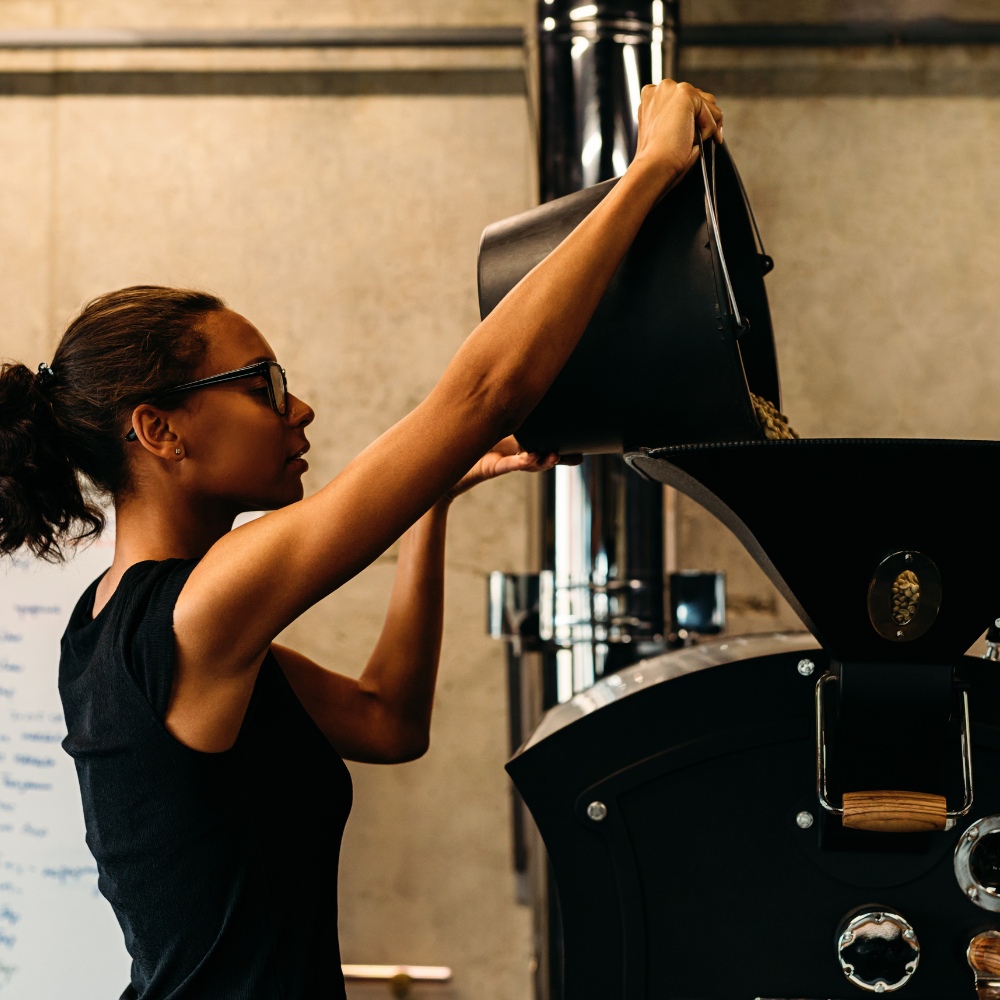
x=742, y=325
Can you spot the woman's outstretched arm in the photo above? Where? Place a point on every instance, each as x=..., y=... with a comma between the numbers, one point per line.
x=257, y=579
x=384, y=716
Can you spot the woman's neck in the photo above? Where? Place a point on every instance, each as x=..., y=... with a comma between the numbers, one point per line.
x=160, y=528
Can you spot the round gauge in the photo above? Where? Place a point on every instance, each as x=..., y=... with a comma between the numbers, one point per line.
x=977, y=863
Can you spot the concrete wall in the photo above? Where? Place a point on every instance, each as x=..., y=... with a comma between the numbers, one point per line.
x=336, y=199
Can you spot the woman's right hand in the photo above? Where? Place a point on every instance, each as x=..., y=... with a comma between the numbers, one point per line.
x=669, y=115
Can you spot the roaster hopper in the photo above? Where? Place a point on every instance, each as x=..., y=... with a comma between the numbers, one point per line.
x=717, y=817
x=819, y=516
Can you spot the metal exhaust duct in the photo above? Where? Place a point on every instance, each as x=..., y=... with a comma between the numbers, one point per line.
x=602, y=526
x=597, y=605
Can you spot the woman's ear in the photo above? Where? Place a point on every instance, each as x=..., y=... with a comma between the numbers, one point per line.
x=153, y=430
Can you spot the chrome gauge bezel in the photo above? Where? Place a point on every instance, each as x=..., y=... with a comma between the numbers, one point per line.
x=983, y=896
x=877, y=916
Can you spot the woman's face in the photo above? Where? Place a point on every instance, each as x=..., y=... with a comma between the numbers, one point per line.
x=236, y=450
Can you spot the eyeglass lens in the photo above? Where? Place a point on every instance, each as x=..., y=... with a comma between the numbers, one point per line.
x=278, y=387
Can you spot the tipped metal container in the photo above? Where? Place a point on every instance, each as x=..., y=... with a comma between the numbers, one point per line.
x=682, y=335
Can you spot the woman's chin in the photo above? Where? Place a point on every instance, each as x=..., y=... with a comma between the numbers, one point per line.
x=288, y=493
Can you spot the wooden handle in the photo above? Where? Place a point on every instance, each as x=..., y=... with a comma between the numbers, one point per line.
x=984, y=954
x=895, y=812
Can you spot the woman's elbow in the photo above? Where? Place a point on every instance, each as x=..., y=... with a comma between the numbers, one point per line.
x=404, y=747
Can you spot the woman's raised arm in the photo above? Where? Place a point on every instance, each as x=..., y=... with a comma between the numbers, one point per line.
x=257, y=579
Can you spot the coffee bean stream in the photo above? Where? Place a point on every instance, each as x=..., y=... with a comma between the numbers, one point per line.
x=772, y=420
x=905, y=596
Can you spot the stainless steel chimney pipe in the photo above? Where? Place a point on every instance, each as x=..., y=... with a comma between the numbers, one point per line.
x=599, y=598
x=602, y=526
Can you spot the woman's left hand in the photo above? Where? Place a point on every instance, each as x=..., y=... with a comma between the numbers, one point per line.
x=507, y=457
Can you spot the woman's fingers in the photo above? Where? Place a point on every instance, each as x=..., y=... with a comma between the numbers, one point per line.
x=528, y=462
x=709, y=117
x=672, y=118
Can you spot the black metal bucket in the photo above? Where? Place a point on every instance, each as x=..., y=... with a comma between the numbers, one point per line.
x=682, y=336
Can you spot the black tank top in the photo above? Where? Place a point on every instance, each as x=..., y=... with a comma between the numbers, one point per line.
x=221, y=867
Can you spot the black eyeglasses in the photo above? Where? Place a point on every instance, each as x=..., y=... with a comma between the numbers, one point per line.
x=270, y=371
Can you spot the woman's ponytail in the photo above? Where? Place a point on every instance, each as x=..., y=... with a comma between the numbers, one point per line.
x=62, y=428
x=41, y=501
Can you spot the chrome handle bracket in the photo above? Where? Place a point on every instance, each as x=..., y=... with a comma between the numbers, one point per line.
x=711, y=210
x=822, y=792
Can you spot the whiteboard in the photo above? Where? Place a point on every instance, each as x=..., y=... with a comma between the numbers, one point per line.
x=58, y=936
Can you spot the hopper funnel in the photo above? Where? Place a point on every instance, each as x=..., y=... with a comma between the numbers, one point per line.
x=882, y=546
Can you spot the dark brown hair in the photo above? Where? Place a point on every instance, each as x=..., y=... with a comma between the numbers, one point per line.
x=62, y=436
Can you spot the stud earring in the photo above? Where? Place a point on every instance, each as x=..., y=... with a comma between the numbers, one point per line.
x=177, y=451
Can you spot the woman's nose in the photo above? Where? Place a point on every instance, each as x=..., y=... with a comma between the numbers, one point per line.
x=300, y=413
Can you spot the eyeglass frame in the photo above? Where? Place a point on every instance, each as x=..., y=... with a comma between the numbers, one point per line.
x=261, y=368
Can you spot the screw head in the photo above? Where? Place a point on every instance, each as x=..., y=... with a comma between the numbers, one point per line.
x=846, y=938
x=910, y=935
x=880, y=986
x=597, y=811
x=804, y=820
x=806, y=667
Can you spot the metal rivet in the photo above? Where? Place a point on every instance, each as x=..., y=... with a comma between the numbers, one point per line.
x=806, y=667
x=997, y=622
x=880, y=987
x=908, y=557
x=973, y=892
x=804, y=820
x=597, y=811
x=846, y=938
x=972, y=832
x=910, y=935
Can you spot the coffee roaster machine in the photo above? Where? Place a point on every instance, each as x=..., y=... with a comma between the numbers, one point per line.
x=813, y=814
x=791, y=816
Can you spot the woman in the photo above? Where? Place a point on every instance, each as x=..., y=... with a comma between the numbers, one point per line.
x=210, y=758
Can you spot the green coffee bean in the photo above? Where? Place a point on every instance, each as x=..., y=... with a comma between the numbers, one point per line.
x=905, y=596
x=773, y=422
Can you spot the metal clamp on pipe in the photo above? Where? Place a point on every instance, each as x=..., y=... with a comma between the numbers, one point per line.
x=891, y=811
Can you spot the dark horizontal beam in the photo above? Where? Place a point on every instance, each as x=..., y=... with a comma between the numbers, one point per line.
x=261, y=38
x=927, y=31
x=459, y=82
